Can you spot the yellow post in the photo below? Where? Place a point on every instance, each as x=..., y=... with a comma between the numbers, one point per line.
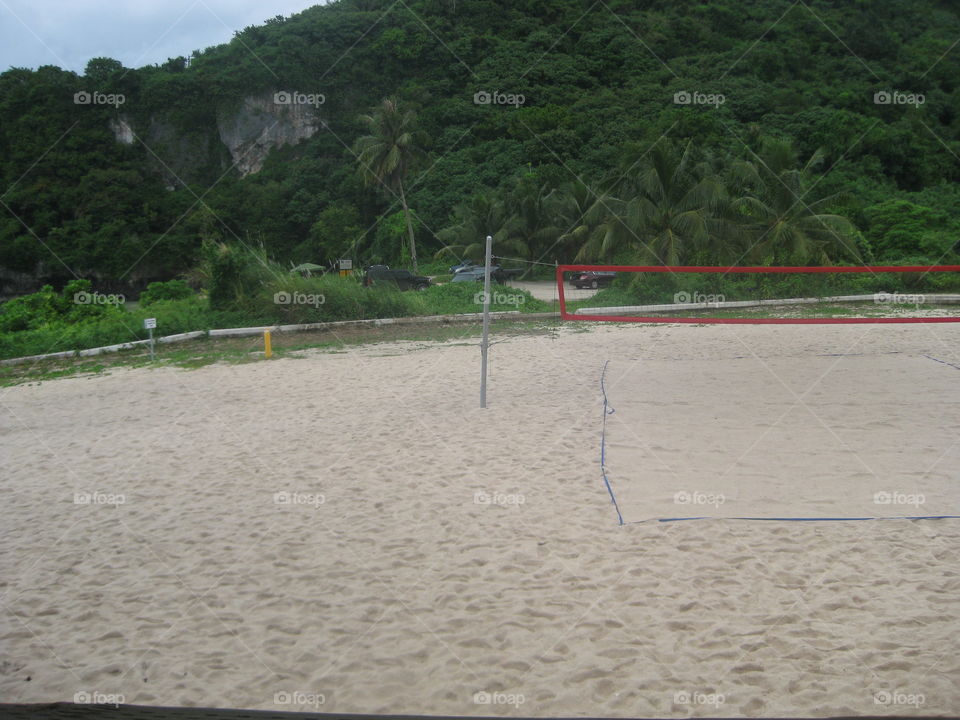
x=267, y=349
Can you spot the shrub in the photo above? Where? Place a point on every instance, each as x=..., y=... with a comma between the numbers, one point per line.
x=170, y=290
x=30, y=311
x=236, y=276
x=293, y=299
x=73, y=304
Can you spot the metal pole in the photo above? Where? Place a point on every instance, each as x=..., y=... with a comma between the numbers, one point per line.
x=485, y=343
x=152, y=357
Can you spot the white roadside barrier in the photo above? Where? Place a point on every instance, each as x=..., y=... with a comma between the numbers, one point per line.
x=680, y=307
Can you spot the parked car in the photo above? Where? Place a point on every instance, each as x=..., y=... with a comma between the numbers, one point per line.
x=403, y=279
x=471, y=274
x=454, y=269
x=593, y=279
x=474, y=273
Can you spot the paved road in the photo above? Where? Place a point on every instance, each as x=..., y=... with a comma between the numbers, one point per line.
x=547, y=290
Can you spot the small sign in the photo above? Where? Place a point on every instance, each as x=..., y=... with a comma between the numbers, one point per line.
x=149, y=323
x=346, y=264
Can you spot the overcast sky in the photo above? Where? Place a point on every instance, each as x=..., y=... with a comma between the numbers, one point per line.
x=68, y=33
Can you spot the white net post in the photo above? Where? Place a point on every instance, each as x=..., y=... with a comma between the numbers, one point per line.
x=485, y=342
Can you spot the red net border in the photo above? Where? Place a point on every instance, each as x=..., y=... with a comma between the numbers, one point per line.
x=564, y=315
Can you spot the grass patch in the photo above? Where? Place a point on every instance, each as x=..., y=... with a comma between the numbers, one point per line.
x=203, y=352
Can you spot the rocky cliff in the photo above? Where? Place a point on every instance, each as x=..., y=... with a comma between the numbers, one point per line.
x=268, y=121
x=263, y=122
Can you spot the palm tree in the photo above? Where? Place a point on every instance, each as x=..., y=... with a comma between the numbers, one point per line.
x=783, y=225
x=531, y=228
x=591, y=217
x=389, y=152
x=667, y=206
x=521, y=220
x=482, y=215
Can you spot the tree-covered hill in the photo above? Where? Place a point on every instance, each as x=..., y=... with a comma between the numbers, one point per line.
x=568, y=128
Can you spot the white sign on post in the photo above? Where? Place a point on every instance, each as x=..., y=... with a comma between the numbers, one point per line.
x=346, y=264
x=149, y=324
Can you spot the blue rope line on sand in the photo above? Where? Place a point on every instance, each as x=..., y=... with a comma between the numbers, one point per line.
x=942, y=362
x=813, y=519
x=607, y=410
x=892, y=352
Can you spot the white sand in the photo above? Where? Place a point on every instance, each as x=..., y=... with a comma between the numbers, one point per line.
x=836, y=436
x=400, y=593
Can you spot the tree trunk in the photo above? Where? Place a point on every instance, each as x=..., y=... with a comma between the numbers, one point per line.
x=406, y=212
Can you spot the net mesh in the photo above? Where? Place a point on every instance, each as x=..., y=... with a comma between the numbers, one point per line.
x=757, y=295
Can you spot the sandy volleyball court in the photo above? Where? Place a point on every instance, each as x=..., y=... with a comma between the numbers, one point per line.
x=840, y=435
x=348, y=532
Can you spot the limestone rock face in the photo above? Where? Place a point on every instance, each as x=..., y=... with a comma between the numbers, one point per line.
x=268, y=121
x=122, y=130
x=263, y=122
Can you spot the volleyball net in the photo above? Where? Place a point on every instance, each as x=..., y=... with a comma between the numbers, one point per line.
x=806, y=425
x=759, y=294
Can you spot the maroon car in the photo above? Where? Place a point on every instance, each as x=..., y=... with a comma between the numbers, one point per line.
x=592, y=279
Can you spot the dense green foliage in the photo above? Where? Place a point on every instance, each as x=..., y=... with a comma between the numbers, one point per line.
x=170, y=290
x=252, y=290
x=76, y=303
x=66, y=331
x=597, y=160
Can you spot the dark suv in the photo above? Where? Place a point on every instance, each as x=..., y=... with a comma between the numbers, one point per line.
x=403, y=279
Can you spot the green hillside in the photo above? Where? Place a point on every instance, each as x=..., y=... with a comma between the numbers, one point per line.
x=670, y=131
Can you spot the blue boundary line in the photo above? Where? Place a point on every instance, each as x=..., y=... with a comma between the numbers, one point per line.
x=942, y=362
x=801, y=519
x=892, y=352
x=607, y=410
